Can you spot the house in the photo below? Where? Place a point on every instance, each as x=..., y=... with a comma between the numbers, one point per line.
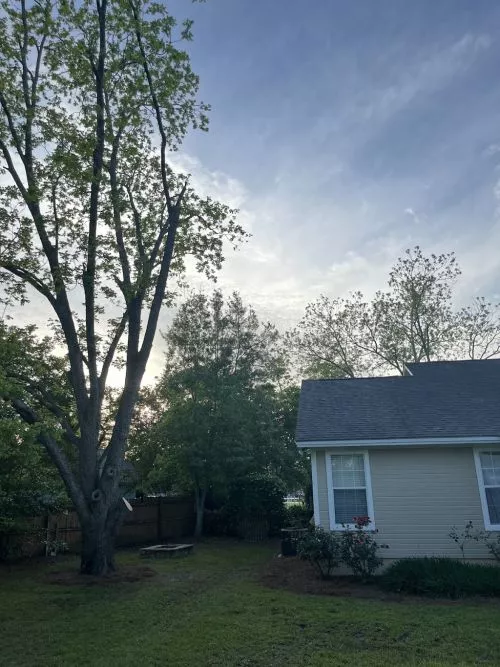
x=418, y=454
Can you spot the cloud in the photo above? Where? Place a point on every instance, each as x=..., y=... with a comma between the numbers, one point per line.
x=427, y=74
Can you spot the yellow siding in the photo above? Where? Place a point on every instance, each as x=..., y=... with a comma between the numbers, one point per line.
x=418, y=495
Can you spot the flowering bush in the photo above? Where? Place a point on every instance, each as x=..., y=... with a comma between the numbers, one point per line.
x=360, y=550
x=322, y=549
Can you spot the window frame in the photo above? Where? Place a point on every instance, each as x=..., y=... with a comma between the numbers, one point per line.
x=368, y=488
x=482, y=487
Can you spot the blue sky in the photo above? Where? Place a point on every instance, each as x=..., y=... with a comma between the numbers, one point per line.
x=346, y=132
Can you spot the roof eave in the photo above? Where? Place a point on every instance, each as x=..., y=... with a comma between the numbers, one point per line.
x=400, y=442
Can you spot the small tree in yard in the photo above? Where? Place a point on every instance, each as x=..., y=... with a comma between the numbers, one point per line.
x=92, y=218
x=322, y=549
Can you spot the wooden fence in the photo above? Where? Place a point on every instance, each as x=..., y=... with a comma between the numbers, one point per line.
x=152, y=520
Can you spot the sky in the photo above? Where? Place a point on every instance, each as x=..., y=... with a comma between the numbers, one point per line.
x=346, y=132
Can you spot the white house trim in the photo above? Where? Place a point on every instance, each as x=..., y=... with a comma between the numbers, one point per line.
x=397, y=442
x=368, y=487
x=482, y=492
x=314, y=475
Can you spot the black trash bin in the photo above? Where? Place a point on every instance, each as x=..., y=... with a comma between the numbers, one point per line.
x=289, y=537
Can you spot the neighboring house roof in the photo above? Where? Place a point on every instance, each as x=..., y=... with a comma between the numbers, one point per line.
x=459, y=399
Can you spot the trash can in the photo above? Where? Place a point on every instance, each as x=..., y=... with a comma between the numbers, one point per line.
x=289, y=537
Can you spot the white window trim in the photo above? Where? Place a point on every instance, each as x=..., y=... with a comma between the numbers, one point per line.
x=314, y=475
x=368, y=483
x=482, y=492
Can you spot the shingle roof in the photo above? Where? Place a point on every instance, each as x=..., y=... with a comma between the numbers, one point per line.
x=439, y=400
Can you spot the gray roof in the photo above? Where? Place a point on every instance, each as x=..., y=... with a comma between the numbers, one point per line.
x=438, y=400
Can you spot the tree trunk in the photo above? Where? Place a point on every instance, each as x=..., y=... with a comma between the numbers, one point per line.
x=98, y=541
x=200, y=511
x=97, y=550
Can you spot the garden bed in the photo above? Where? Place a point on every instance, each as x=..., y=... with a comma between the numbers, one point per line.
x=300, y=576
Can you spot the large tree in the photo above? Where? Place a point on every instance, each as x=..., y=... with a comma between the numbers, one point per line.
x=225, y=414
x=93, y=96
x=413, y=320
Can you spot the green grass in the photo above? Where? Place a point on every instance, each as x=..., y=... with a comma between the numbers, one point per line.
x=209, y=609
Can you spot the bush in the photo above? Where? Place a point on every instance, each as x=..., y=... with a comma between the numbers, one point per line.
x=256, y=498
x=322, y=549
x=298, y=516
x=360, y=550
x=441, y=577
x=467, y=535
x=493, y=544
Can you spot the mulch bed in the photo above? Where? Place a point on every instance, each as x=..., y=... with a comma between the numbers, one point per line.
x=130, y=574
x=299, y=576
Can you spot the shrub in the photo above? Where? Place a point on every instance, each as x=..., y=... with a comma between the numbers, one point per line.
x=493, y=544
x=469, y=534
x=360, y=550
x=322, y=549
x=441, y=577
x=298, y=516
x=256, y=497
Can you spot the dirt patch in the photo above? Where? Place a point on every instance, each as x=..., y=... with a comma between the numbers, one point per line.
x=130, y=574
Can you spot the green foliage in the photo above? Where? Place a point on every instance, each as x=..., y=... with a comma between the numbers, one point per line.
x=224, y=415
x=29, y=484
x=413, y=320
x=322, y=548
x=441, y=577
x=360, y=550
x=298, y=515
x=256, y=496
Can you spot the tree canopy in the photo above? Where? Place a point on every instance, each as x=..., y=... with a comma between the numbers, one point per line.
x=414, y=320
x=225, y=413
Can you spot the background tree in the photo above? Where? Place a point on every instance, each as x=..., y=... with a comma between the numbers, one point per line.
x=29, y=484
x=413, y=320
x=225, y=412
x=93, y=95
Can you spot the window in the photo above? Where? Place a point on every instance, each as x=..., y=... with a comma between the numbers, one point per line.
x=488, y=474
x=349, y=488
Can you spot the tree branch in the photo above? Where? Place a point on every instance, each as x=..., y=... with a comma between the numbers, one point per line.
x=97, y=164
x=156, y=104
x=108, y=359
x=30, y=278
x=56, y=454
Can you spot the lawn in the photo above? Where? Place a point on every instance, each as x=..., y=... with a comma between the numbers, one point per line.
x=210, y=609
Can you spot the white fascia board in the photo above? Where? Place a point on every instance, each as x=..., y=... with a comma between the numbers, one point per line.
x=407, y=442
